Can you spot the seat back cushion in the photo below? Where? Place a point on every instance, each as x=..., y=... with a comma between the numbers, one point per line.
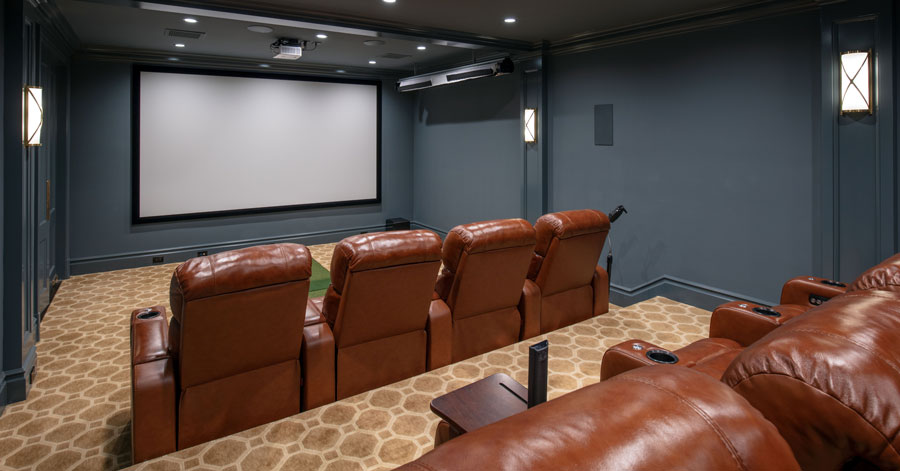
x=651, y=418
x=236, y=331
x=486, y=263
x=569, y=245
x=381, y=285
x=830, y=381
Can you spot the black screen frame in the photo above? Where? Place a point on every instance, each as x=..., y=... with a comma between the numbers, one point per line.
x=136, y=144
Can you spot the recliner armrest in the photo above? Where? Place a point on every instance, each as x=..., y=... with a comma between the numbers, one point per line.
x=530, y=310
x=149, y=335
x=800, y=290
x=153, y=392
x=317, y=356
x=440, y=334
x=738, y=321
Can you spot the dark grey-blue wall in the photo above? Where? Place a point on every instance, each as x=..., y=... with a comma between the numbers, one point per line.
x=102, y=236
x=714, y=143
x=468, y=153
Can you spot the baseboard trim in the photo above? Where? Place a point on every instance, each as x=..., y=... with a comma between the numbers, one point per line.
x=4, y=395
x=422, y=225
x=17, y=381
x=121, y=261
x=677, y=289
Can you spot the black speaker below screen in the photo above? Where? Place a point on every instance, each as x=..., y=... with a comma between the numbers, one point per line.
x=396, y=224
x=537, y=373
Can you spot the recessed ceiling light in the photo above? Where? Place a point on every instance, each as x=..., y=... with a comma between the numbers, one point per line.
x=509, y=20
x=421, y=48
x=322, y=36
x=373, y=42
x=174, y=59
x=260, y=29
x=190, y=20
x=372, y=62
x=265, y=66
x=340, y=71
x=179, y=45
x=389, y=1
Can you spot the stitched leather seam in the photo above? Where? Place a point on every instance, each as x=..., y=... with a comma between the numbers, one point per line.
x=730, y=446
x=283, y=283
x=717, y=355
x=889, y=442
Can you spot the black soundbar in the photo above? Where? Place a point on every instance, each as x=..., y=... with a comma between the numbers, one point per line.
x=537, y=373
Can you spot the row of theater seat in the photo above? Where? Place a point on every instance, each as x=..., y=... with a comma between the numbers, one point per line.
x=817, y=392
x=245, y=346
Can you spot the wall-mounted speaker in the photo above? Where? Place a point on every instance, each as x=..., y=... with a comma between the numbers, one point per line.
x=603, y=125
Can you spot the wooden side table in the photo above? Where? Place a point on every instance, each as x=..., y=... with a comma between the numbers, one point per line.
x=481, y=403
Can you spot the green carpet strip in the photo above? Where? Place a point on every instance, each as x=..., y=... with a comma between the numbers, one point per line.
x=318, y=282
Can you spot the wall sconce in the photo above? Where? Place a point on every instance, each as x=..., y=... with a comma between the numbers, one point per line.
x=32, y=116
x=530, y=125
x=856, y=82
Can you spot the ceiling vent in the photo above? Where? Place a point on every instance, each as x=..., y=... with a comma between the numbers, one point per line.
x=180, y=33
x=392, y=55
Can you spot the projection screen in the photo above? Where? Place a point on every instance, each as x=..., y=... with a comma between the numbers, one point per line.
x=219, y=143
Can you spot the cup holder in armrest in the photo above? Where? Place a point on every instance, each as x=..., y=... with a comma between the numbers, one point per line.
x=834, y=283
x=662, y=356
x=767, y=311
x=148, y=315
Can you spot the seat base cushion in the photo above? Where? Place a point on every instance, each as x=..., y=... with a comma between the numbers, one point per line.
x=370, y=365
x=480, y=334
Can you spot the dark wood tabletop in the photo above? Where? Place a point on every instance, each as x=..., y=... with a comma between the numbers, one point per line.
x=481, y=403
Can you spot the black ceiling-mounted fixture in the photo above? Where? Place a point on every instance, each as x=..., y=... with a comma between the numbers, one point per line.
x=291, y=49
x=459, y=74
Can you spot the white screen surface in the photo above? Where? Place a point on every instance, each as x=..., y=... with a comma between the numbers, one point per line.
x=211, y=143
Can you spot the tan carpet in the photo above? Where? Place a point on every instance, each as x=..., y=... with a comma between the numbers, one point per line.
x=77, y=414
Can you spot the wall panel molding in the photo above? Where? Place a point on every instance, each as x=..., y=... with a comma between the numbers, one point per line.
x=120, y=261
x=677, y=289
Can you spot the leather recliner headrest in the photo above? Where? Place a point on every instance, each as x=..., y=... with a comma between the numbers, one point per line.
x=382, y=249
x=884, y=276
x=485, y=236
x=238, y=270
x=567, y=224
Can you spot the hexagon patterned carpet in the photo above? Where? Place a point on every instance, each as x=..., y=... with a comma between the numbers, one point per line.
x=77, y=414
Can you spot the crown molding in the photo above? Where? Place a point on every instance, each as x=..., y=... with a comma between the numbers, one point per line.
x=110, y=54
x=519, y=50
x=681, y=24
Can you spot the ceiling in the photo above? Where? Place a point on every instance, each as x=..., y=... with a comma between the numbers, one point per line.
x=452, y=31
x=537, y=20
x=100, y=25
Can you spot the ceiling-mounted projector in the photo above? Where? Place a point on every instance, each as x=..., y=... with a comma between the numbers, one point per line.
x=291, y=49
x=459, y=74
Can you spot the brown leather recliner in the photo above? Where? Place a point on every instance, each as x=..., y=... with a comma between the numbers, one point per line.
x=646, y=419
x=565, y=285
x=738, y=324
x=829, y=379
x=485, y=264
x=378, y=306
x=230, y=358
x=830, y=382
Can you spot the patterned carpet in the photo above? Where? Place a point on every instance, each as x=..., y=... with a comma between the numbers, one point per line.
x=77, y=414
